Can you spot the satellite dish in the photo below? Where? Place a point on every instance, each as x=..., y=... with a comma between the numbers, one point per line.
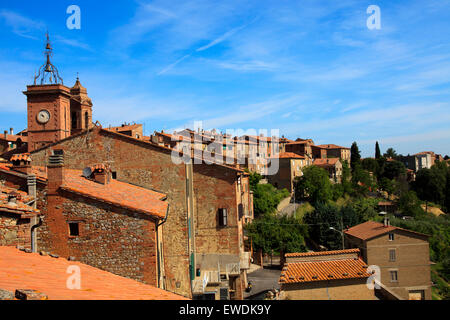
x=87, y=172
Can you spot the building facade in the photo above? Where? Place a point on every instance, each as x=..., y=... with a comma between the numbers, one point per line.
x=402, y=255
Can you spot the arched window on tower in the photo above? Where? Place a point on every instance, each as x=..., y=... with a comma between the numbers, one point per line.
x=74, y=120
x=86, y=120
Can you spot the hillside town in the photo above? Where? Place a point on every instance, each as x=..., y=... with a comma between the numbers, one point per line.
x=209, y=214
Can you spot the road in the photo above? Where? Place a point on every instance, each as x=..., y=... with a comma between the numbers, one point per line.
x=263, y=280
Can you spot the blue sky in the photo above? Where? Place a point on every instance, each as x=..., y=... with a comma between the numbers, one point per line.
x=311, y=69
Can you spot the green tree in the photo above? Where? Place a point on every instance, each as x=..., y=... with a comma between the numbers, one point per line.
x=430, y=185
x=254, y=179
x=409, y=204
x=377, y=151
x=314, y=185
x=393, y=169
x=355, y=155
x=447, y=193
x=387, y=185
x=370, y=165
x=346, y=178
x=266, y=198
x=390, y=153
x=325, y=216
x=362, y=181
x=277, y=234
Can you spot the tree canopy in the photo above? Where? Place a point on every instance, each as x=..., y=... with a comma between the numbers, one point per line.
x=355, y=155
x=314, y=185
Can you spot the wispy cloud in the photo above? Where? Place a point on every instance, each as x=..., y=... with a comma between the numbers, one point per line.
x=21, y=25
x=169, y=67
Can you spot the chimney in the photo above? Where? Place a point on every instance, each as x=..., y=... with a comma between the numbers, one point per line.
x=55, y=171
x=11, y=131
x=6, y=134
x=102, y=174
x=386, y=222
x=21, y=163
x=12, y=199
x=31, y=182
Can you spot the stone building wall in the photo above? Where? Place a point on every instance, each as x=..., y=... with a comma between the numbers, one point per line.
x=149, y=166
x=110, y=238
x=14, y=231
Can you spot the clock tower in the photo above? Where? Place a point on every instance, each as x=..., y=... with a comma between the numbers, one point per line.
x=50, y=106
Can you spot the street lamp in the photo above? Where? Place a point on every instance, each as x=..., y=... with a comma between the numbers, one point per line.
x=342, y=234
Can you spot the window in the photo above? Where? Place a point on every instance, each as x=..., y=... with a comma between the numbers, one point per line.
x=223, y=217
x=394, y=276
x=241, y=210
x=392, y=255
x=86, y=120
x=391, y=237
x=74, y=229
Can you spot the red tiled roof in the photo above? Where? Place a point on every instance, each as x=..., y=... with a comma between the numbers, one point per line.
x=299, y=142
x=117, y=193
x=21, y=157
x=125, y=127
x=39, y=172
x=320, y=253
x=288, y=155
x=13, y=138
x=20, y=206
x=20, y=270
x=332, y=146
x=325, y=162
x=299, y=272
x=371, y=229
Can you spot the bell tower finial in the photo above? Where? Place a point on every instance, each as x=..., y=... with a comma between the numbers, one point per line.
x=48, y=73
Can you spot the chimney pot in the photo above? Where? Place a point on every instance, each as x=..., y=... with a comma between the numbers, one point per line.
x=11, y=131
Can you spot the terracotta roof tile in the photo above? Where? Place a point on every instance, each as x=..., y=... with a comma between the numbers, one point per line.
x=13, y=138
x=21, y=157
x=48, y=275
x=320, y=253
x=298, y=272
x=39, y=172
x=289, y=155
x=20, y=206
x=371, y=229
x=328, y=162
x=332, y=146
x=117, y=193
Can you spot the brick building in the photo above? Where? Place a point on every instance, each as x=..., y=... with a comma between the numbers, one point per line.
x=402, y=255
x=333, y=166
x=335, y=151
x=326, y=275
x=10, y=142
x=17, y=219
x=133, y=130
x=197, y=194
x=208, y=204
x=290, y=167
x=102, y=222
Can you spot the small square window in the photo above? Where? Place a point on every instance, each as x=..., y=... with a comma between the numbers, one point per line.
x=74, y=229
x=391, y=237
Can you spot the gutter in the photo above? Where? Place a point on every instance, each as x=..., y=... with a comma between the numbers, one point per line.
x=158, y=249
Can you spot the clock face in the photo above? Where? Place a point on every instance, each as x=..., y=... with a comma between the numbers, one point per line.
x=43, y=116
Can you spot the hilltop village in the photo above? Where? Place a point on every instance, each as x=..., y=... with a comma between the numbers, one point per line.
x=178, y=215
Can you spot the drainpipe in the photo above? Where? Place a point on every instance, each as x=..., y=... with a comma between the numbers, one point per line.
x=35, y=221
x=159, y=250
